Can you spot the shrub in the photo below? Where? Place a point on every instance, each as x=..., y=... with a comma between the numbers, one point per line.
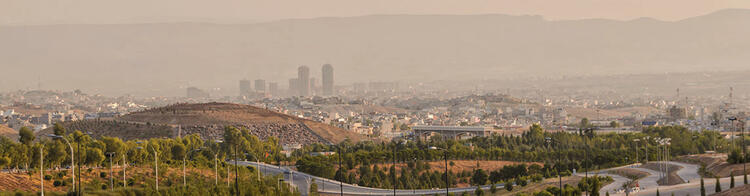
x=62, y=174
x=47, y=177
x=103, y=174
x=57, y=183
x=479, y=191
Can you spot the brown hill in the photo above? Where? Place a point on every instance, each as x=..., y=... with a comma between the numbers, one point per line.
x=209, y=120
x=8, y=132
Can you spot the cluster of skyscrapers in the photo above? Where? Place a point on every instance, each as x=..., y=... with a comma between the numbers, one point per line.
x=302, y=85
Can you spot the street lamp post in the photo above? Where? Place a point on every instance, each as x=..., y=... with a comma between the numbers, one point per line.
x=549, y=141
x=341, y=171
x=156, y=164
x=72, y=162
x=41, y=167
x=79, y=191
x=111, y=178
x=637, y=148
x=445, y=157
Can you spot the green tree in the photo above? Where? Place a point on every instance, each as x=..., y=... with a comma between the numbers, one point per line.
x=26, y=136
x=731, y=181
x=595, y=186
x=614, y=124
x=508, y=186
x=493, y=188
x=584, y=123
x=178, y=151
x=479, y=177
x=718, y=185
x=4, y=162
x=94, y=157
x=479, y=191
x=58, y=129
x=657, y=192
x=313, y=188
x=703, y=188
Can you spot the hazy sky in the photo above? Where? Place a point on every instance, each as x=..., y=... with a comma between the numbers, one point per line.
x=22, y=12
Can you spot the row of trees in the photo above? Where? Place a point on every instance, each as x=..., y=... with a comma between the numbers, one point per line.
x=192, y=151
x=563, y=152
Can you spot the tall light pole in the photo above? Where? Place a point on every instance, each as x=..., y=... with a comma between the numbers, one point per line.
x=156, y=164
x=78, y=141
x=549, y=141
x=445, y=156
x=124, y=164
x=111, y=179
x=72, y=162
x=216, y=164
x=41, y=167
x=341, y=171
x=637, y=148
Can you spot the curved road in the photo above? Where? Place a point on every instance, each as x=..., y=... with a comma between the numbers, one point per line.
x=302, y=182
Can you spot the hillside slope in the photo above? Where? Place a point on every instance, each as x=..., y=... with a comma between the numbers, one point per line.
x=209, y=120
x=8, y=132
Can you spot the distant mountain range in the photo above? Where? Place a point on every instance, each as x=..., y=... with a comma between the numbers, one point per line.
x=162, y=59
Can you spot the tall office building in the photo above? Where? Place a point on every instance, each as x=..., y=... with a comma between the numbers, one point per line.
x=327, y=79
x=260, y=86
x=293, y=87
x=273, y=88
x=303, y=81
x=245, y=87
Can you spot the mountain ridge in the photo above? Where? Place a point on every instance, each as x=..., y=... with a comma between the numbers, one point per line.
x=142, y=58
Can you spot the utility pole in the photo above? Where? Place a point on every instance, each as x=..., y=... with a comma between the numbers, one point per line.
x=341, y=183
x=124, y=164
x=41, y=167
x=394, y=170
x=111, y=179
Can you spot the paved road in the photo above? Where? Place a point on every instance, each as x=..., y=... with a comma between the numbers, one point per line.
x=302, y=182
x=649, y=181
x=688, y=173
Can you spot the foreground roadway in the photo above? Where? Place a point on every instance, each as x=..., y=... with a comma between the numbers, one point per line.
x=302, y=181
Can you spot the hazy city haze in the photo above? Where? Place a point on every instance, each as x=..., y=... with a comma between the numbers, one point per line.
x=24, y=12
x=165, y=58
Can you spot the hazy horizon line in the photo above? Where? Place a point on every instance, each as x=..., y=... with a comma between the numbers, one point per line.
x=250, y=22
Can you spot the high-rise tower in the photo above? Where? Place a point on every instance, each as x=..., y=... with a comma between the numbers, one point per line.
x=245, y=88
x=327, y=79
x=303, y=81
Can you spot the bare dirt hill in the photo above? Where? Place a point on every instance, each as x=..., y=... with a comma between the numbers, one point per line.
x=8, y=132
x=210, y=119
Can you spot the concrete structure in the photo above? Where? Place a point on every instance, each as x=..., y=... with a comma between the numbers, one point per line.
x=260, y=86
x=327, y=71
x=273, y=88
x=303, y=81
x=293, y=87
x=245, y=88
x=425, y=132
